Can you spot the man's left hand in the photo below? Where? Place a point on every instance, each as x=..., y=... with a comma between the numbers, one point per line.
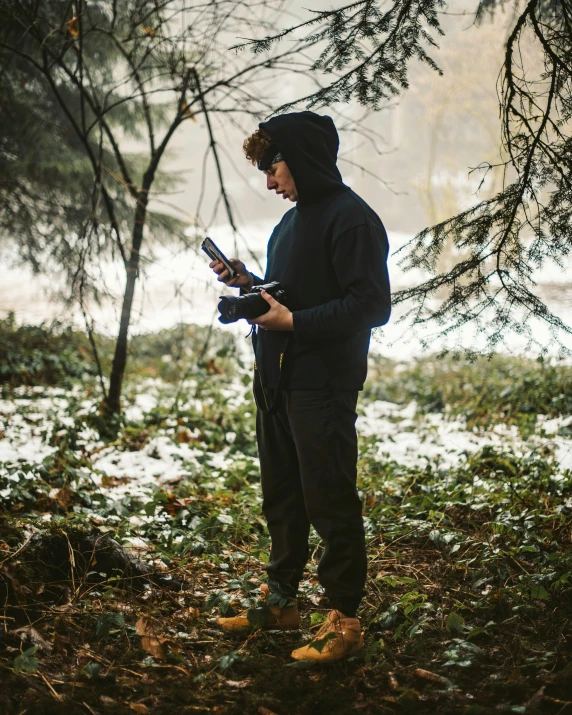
x=277, y=318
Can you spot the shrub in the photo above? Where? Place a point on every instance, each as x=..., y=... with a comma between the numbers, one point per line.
x=42, y=355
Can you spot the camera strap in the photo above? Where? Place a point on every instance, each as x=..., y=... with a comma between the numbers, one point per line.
x=260, y=396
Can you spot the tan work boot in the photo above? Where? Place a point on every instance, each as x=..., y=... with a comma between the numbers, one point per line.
x=286, y=618
x=338, y=638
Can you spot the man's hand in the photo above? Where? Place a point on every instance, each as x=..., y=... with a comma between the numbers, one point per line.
x=243, y=279
x=277, y=318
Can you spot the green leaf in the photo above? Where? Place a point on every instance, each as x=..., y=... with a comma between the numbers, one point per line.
x=258, y=617
x=389, y=618
x=106, y=622
x=475, y=632
x=320, y=643
x=228, y=660
x=412, y=607
x=92, y=669
x=316, y=618
x=373, y=650
x=275, y=599
x=26, y=663
x=390, y=580
x=251, y=586
x=212, y=600
x=226, y=609
x=454, y=622
x=538, y=592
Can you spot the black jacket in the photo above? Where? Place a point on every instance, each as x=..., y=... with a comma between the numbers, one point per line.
x=330, y=253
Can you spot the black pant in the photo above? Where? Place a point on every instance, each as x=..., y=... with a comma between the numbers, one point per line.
x=308, y=456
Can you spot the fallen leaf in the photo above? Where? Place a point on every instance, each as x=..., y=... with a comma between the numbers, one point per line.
x=392, y=680
x=210, y=632
x=151, y=640
x=138, y=707
x=536, y=699
x=30, y=634
x=211, y=366
x=65, y=498
x=428, y=675
x=65, y=608
x=239, y=683
x=61, y=643
x=149, y=31
x=265, y=711
x=8, y=570
x=187, y=613
x=73, y=26
x=185, y=436
x=175, y=505
x=360, y=703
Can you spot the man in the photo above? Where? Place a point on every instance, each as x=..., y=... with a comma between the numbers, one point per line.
x=330, y=254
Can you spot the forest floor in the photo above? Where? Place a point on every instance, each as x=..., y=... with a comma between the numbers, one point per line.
x=466, y=477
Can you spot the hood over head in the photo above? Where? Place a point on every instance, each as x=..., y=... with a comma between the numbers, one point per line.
x=309, y=145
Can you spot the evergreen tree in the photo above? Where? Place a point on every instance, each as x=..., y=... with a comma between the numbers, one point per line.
x=79, y=77
x=45, y=178
x=366, y=48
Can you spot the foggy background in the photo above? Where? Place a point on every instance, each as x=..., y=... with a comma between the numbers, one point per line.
x=410, y=161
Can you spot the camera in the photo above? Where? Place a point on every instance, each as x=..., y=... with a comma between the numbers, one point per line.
x=251, y=305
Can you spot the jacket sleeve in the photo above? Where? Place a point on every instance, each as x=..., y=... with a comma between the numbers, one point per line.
x=256, y=282
x=359, y=258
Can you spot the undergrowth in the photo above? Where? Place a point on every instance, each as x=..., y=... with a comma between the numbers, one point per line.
x=487, y=391
x=468, y=606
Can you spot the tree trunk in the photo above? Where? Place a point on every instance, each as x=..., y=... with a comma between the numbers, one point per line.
x=113, y=402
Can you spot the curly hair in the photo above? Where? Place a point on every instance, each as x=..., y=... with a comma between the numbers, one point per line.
x=256, y=144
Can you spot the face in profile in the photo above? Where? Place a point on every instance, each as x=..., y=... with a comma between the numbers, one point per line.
x=280, y=180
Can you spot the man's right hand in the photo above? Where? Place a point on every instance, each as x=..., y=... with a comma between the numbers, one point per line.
x=243, y=279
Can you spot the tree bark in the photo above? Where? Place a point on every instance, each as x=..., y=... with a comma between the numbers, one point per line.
x=113, y=402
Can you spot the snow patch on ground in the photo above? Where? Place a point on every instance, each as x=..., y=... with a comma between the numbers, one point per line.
x=411, y=438
x=398, y=432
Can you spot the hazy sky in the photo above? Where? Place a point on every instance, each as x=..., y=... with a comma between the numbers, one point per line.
x=426, y=142
x=425, y=145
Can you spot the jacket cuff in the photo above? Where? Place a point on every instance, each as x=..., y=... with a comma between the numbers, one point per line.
x=300, y=323
x=255, y=281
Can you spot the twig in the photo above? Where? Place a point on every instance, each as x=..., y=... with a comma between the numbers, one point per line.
x=56, y=695
x=11, y=556
x=215, y=155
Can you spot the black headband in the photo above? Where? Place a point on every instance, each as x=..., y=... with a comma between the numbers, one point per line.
x=271, y=156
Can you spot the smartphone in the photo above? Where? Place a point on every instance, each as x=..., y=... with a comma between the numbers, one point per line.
x=215, y=254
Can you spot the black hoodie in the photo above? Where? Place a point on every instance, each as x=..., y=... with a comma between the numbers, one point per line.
x=330, y=253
